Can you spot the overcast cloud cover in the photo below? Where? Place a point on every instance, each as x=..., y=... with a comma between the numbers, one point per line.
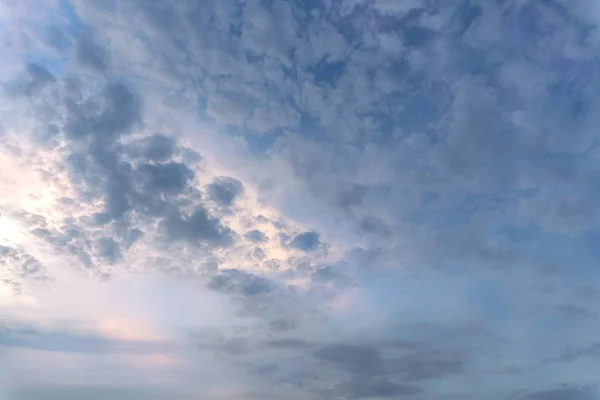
x=308, y=199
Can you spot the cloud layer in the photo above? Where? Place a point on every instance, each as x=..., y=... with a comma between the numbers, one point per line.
x=247, y=199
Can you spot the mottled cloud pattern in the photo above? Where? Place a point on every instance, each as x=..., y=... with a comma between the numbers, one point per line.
x=349, y=199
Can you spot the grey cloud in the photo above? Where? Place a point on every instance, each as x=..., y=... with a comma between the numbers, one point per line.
x=90, y=54
x=91, y=392
x=240, y=282
x=426, y=101
x=224, y=190
x=283, y=324
x=55, y=37
x=561, y=393
x=133, y=179
x=28, y=337
x=40, y=77
x=101, y=218
x=585, y=292
x=198, y=226
x=339, y=275
x=262, y=219
x=574, y=310
x=256, y=236
x=305, y=241
x=170, y=178
x=375, y=225
x=289, y=344
x=131, y=236
x=17, y=262
x=114, y=113
x=574, y=353
x=158, y=147
x=377, y=388
x=429, y=364
x=109, y=250
x=352, y=196
x=325, y=274
x=357, y=359
x=231, y=346
x=258, y=253
x=69, y=238
x=416, y=365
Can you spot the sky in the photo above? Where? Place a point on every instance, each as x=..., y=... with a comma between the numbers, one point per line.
x=299, y=199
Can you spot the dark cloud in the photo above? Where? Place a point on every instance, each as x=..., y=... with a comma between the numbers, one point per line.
x=256, y=236
x=305, y=241
x=224, y=190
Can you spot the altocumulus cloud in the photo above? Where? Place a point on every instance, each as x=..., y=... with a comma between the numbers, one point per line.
x=353, y=199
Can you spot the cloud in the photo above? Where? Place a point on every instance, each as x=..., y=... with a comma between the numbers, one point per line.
x=416, y=365
x=306, y=241
x=377, y=389
x=197, y=226
x=40, y=77
x=109, y=250
x=113, y=112
x=65, y=342
x=357, y=359
x=341, y=176
x=169, y=178
x=17, y=262
x=158, y=148
x=255, y=236
x=67, y=392
x=90, y=55
x=236, y=281
x=566, y=392
x=224, y=190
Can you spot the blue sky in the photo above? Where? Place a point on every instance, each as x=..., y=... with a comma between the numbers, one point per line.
x=325, y=199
